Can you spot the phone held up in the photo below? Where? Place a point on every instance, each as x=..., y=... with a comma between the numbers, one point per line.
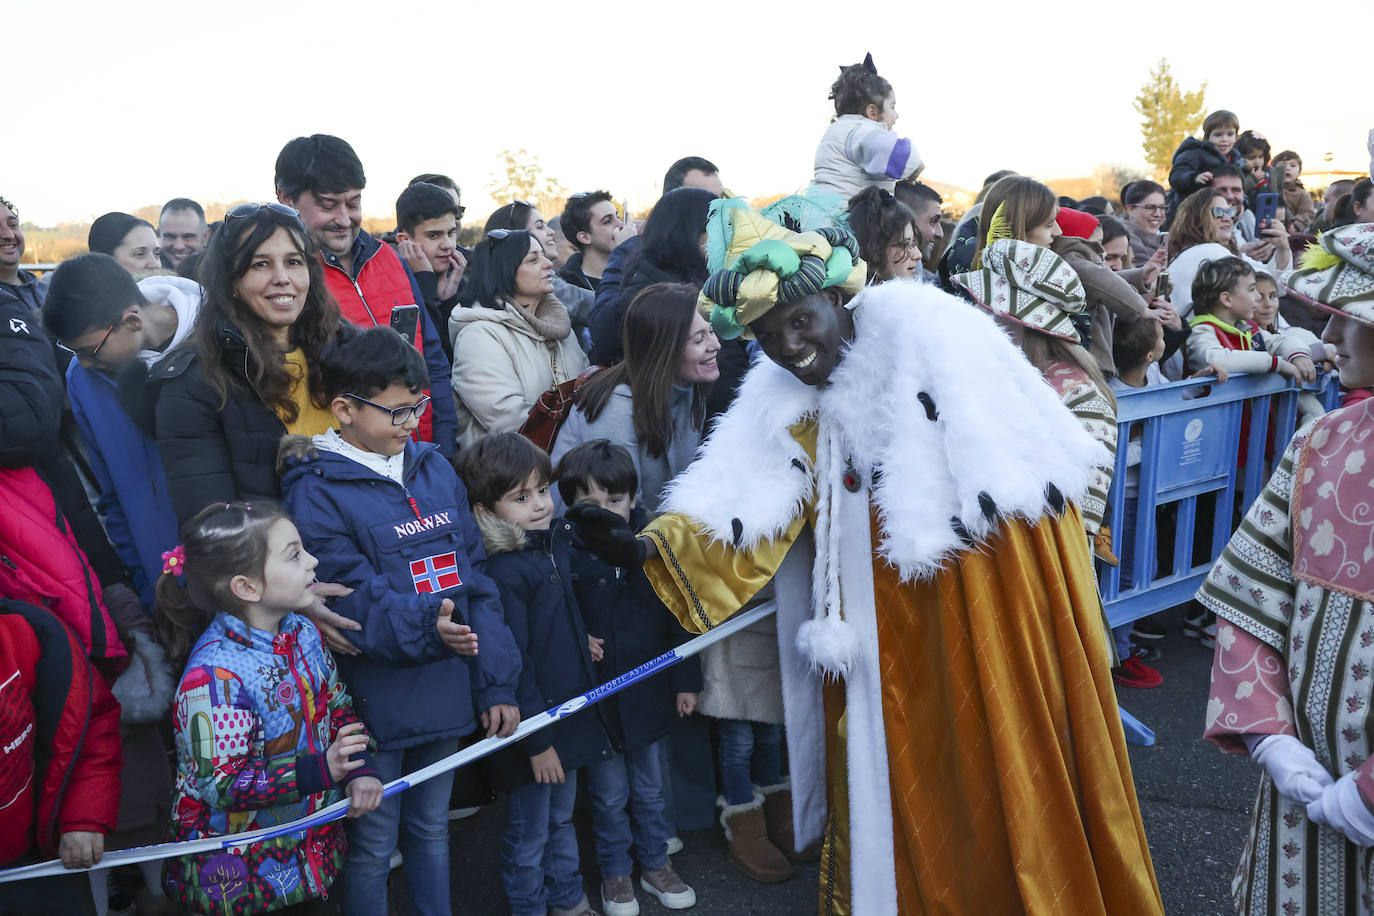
x=1266, y=209
x=405, y=320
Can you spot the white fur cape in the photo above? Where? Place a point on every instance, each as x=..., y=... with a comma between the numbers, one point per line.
x=962, y=431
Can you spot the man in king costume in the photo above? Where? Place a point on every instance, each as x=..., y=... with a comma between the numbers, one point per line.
x=908, y=480
x=1293, y=674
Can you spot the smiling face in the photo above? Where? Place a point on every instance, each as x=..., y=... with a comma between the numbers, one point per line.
x=139, y=252
x=182, y=234
x=1223, y=138
x=11, y=241
x=333, y=220
x=1220, y=227
x=275, y=285
x=1354, y=343
x=369, y=427
x=903, y=256
x=1148, y=214
x=806, y=337
x=528, y=504
x=1231, y=187
x=699, y=353
x=534, y=276
x=928, y=226
x=542, y=233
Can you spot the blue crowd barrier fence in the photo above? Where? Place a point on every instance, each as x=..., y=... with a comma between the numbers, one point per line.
x=1189, y=434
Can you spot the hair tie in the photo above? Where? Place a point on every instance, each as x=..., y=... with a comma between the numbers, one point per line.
x=174, y=561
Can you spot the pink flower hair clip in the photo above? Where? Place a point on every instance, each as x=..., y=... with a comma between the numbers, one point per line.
x=174, y=561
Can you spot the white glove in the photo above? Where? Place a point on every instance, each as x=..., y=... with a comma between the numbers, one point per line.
x=1293, y=767
x=1342, y=808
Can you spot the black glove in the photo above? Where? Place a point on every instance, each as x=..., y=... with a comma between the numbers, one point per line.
x=606, y=535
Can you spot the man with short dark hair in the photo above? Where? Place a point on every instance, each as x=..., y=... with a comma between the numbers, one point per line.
x=925, y=204
x=181, y=230
x=694, y=172
x=427, y=240
x=323, y=179
x=591, y=223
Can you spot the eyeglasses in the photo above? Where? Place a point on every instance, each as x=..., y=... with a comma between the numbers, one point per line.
x=1151, y=208
x=400, y=416
x=1224, y=212
x=243, y=211
x=906, y=248
x=87, y=354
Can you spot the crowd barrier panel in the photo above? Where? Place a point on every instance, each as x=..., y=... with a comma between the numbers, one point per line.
x=1190, y=435
x=463, y=757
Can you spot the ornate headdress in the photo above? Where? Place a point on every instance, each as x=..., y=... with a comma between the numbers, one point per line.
x=1338, y=272
x=1029, y=284
x=761, y=259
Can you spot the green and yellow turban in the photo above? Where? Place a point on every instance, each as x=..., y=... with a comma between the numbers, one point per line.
x=759, y=264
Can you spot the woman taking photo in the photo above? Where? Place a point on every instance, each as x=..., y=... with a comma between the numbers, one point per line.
x=653, y=403
x=514, y=339
x=886, y=230
x=248, y=375
x=1144, y=202
x=1202, y=232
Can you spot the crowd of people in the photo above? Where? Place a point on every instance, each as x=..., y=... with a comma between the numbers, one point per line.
x=292, y=510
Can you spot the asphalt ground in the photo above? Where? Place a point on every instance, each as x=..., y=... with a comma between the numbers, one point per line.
x=1194, y=799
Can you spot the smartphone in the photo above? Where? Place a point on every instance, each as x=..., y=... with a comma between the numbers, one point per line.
x=1163, y=288
x=405, y=320
x=1266, y=209
x=1164, y=242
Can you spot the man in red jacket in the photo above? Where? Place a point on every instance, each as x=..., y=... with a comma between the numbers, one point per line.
x=323, y=178
x=59, y=758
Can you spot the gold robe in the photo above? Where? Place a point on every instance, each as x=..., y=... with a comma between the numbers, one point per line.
x=1010, y=783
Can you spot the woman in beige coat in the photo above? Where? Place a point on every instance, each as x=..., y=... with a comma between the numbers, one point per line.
x=512, y=340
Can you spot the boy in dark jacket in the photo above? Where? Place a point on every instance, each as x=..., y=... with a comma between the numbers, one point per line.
x=59, y=775
x=1195, y=160
x=528, y=552
x=387, y=516
x=630, y=626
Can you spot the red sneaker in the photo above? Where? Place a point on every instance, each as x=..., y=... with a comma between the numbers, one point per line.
x=1135, y=673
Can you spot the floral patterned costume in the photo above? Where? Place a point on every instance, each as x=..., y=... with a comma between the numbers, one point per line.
x=1294, y=591
x=254, y=716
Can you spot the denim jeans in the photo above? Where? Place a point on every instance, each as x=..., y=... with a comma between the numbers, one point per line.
x=416, y=821
x=750, y=755
x=539, y=864
x=634, y=777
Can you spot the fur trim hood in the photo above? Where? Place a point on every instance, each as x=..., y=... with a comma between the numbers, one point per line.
x=498, y=535
x=933, y=406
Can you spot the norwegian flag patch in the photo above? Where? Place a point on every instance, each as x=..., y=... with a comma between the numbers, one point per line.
x=435, y=574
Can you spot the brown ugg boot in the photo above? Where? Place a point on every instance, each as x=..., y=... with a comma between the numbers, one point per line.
x=750, y=849
x=1102, y=547
x=777, y=813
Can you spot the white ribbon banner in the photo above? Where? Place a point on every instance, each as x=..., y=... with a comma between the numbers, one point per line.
x=467, y=755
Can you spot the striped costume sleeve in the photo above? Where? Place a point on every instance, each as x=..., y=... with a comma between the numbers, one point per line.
x=1098, y=416
x=1251, y=585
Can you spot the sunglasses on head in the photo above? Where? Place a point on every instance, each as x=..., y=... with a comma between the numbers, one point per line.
x=244, y=211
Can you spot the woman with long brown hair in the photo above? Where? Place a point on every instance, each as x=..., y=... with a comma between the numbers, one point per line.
x=249, y=374
x=1202, y=231
x=653, y=403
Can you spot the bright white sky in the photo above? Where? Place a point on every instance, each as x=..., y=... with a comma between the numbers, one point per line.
x=118, y=106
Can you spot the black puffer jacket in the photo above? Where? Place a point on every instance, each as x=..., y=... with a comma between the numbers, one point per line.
x=1192, y=158
x=213, y=452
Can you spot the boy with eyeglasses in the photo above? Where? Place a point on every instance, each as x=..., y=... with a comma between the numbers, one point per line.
x=388, y=517
x=117, y=330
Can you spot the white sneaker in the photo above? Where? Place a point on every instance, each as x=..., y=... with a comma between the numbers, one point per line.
x=396, y=859
x=674, y=845
x=457, y=814
x=670, y=890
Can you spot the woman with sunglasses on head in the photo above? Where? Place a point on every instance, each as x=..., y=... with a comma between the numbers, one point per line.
x=248, y=375
x=1145, y=207
x=1202, y=231
x=578, y=301
x=514, y=339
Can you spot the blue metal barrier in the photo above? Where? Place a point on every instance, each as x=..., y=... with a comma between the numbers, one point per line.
x=1189, y=434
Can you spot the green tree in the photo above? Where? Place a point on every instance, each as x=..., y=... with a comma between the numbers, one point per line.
x=1168, y=114
x=520, y=176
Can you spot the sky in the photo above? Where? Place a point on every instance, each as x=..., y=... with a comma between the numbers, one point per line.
x=157, y=100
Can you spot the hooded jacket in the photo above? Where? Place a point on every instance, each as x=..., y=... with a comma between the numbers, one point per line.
x=403, y=550
x=1192, y=158
x=620, y=606
x=213, y=453
x=59, y=725
x=532, y=570
x=1109, y=295
x=504, y=359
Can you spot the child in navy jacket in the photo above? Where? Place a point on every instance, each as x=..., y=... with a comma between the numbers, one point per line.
x=388, y=517
x=629, y=626
x=528, y=549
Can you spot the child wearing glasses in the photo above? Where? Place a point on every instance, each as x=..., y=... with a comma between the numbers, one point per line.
x=388, y=517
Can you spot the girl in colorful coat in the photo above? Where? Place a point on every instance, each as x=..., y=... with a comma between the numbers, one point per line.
x=265, y=733
x=1293, y=593
x=860, y=149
